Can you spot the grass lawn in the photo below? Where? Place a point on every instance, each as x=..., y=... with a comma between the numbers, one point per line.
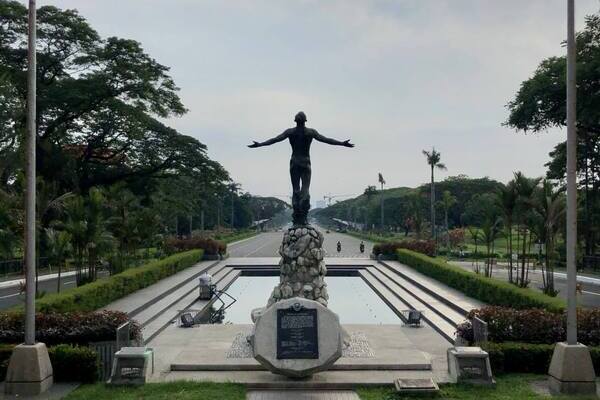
x=161, y=391
x=509, y=387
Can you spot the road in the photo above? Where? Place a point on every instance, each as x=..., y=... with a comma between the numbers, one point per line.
x=11, y=296
x=267, y=245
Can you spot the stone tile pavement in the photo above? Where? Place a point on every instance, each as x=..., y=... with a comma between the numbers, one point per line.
x=301, y=395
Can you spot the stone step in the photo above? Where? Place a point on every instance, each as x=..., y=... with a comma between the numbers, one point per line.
x=164, y=303
x=400, y=300
x=158, y=324
x=141, y=299
x=442, y=292
x=301, y=395
x=443, y=309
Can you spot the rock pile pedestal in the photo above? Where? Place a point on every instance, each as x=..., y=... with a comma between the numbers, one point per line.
x=302, y=268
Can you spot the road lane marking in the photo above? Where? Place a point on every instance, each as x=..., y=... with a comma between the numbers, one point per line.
x=10, y=295
x=586, y=292
x=68, y=283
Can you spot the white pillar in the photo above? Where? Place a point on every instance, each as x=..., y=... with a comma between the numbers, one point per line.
x=571, y=178
x=30, y=257
x=571, y=370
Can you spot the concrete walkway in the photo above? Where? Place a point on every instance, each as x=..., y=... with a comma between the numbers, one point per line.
x=301, y=395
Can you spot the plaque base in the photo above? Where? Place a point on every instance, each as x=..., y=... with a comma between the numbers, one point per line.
x=297, y=337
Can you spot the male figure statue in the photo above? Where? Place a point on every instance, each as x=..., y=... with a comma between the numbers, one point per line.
x=300, y=139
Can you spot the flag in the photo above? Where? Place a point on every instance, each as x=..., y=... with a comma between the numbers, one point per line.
x=381, y=180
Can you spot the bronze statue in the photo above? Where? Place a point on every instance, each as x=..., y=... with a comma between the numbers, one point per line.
x=300, y=138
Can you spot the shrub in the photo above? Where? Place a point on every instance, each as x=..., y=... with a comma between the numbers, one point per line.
x=488, y=290
x=533, y=325
x=527, y=357
x=420, y=246
x=71, y=328
x=210, y=246
x=69, y=363
x=98, y=294
x=74, y=363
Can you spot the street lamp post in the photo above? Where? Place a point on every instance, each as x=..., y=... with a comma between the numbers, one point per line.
x=571, y=369
x=29, y=370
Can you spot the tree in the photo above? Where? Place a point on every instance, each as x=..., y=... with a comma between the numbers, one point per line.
x=446, y=203
x=433, y=159
x=550, y=207
x=416, y=216
x=59, y=248
x=525, y=188
x=540, y=104
x=99, y=105
x=507, y=197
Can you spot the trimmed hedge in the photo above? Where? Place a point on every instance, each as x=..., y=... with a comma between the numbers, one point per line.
x=420, y=246
x=488, y=290
x=100, y=293
x=527, y=357
x=533, y=326
x=210, y=246
x=69, y=363
x=70, y=328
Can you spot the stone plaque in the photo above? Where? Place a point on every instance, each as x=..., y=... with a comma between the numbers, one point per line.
x=297, y=333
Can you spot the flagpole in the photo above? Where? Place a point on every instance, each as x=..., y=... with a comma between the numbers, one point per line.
x=571, y=368
x=30, y=185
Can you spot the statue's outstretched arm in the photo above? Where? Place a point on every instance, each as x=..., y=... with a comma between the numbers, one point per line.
x=269, y=142
x=334, y=142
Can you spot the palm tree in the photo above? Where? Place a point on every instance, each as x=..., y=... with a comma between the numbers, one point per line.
x=525, y=188
x=59, y=248
x=414, y=206
x=475, y=236
x=433, y=159
x=550, y=208
x=123, y=224
x=76, y=225
x=506, y=200
x=448, y=200
x=489, y=233
x=99, y=238
x=234, y=189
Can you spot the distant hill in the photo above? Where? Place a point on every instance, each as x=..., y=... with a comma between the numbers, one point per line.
x=400, y=203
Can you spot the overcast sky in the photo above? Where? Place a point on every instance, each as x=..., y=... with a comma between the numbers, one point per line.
x=395, y=77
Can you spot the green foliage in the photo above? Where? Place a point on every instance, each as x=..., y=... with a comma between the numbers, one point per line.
x=527, y=357
x=74, y=363
x=210, y=246
x=508, y=387
x=533, y=325
x=69, y=363
x=539, y=105
x=69, y=327
x=405, y=207
x=98, y=294
x=181, y=390
x=426, y=247
x=488, y=290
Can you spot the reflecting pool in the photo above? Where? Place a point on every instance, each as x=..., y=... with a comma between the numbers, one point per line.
x=349, y=296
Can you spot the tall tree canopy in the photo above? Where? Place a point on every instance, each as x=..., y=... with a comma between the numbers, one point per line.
x=540, y=104
x=99, y=101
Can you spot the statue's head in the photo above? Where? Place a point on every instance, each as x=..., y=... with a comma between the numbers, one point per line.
x=300, y=118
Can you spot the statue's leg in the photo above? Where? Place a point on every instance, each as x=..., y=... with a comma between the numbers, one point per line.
x=306, y=174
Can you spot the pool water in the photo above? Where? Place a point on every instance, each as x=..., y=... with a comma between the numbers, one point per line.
x=349, y=296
